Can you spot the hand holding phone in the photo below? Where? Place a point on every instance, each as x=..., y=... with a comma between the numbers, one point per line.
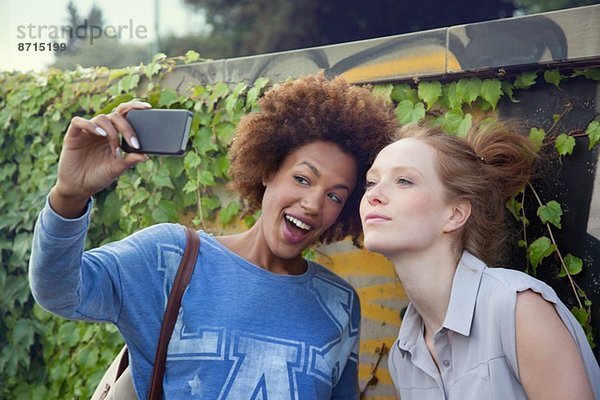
x=163, y=132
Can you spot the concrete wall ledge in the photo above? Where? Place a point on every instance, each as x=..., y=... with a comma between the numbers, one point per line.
x=567, y=38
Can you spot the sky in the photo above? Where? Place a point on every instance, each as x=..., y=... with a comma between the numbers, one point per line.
x=34, y=21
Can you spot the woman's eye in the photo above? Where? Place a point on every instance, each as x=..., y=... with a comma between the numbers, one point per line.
x=403, y=181
x=336, y=198
x=301, y=180
x=369, y=184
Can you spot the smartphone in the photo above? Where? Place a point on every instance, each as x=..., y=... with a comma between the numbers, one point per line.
x=163, y=132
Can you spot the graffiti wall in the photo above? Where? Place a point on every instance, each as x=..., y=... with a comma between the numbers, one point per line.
x=496, y=45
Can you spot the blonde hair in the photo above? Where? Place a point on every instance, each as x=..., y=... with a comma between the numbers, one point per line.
x=485, y=167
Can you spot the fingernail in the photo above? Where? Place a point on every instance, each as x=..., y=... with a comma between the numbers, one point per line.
x=101, y=131
x=135, y=143
x=119, y=152
x=146, y=104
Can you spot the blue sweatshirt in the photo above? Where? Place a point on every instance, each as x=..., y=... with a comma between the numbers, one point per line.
x=242, y=332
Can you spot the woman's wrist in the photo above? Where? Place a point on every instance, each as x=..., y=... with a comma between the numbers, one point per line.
x=68, y=206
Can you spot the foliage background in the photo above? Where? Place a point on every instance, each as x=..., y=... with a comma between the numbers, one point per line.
x=42, y=356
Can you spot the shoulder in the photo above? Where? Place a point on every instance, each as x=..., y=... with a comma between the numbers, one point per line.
x=163, y=230
x=542, y=337
x=511, y=282
x=332, y=288
x=160, y=233
x=160, y=238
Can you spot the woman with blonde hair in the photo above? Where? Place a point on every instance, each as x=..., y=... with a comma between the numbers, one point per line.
x=434, y=205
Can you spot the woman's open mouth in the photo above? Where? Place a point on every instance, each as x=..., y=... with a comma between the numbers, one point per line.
x=295, y=230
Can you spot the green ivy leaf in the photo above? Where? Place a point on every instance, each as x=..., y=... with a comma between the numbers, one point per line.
x=191, y=161
x=309, y=253
x=538, y=250
x=537, y=137
x=516, y=208
x=166, y=211
x=581, y=314
x=159, y=57
x=22, y=333
x=68, y=334
x=383, y=91
x=191, y=56
x=115, y=74
x=465, y=125
x=122, y=98
x=190, y=187
x=220, y=90
x=507, y=88
x=255, y=91
x=231, y=104
x=210, y=203
x=220, y=167
x=5, y=116
x=552, y=76
x=250, y=220
x=162, y=179
x=456, y=123
x=238, y=89
x=404, y=92
x=574, y=266
x=550, y=212
x=491, y=91
x=469, y=89
x=225, y=132
x=21, y=245
x=525, y=80
x=555, y=118
x=152, y=69
x=228, y=213
x=129, y=82
x=565, y=144
x=593, y=132
x=83, y=357
x=409, y=113
x=429, y=92
x=97, y=100
x=111, y=208
x=592, y=73
x=204, y=141
x=206, y=178
x=167, y=97
x=454, y=100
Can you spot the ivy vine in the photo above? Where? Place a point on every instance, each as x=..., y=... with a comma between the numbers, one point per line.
x=43, y=356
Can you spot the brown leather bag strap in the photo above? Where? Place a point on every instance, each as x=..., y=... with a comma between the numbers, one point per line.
x=186, y=268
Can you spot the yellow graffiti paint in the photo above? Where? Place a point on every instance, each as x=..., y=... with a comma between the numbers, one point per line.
x=383, y=291
x=383, y=377
x=379, y=313
x=372, y=346
x=435, y=61
x=357, y=263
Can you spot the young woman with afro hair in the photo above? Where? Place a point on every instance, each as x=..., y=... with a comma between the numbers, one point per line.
x=257, y=320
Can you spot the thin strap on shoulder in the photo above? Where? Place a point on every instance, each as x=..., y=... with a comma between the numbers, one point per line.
x=184, y=273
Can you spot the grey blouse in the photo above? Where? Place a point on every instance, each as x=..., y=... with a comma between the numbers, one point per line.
x=476, y=345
